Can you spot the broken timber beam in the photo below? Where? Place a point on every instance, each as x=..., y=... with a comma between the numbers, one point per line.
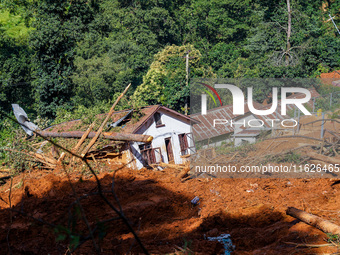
x=106, y=135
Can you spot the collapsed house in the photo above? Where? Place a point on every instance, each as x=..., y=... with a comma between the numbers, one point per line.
x=171, y=137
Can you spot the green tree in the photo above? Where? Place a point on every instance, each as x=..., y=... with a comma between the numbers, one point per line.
x=15, y=61
x=165, y=81
x=58, y=26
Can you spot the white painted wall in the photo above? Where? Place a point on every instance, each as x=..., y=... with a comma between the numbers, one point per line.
x=174, y=125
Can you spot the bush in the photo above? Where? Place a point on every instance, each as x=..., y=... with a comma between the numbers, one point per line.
x=12, y=144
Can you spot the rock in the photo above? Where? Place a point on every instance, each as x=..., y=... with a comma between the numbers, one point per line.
x=212, y=233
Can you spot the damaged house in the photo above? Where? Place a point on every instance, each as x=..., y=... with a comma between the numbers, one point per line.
x=171, y=138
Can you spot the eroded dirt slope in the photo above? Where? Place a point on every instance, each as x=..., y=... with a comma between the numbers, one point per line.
x=158, y=206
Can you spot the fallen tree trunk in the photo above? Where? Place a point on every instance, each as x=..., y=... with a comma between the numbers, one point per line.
x=107, y=135
x=315, y=221
x=323, y=158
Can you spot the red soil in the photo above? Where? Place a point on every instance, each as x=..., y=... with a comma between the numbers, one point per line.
x=158, y=206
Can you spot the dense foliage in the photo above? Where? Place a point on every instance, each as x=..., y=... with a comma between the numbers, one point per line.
x=58, y=56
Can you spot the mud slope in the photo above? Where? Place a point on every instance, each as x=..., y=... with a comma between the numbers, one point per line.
x=158, y=206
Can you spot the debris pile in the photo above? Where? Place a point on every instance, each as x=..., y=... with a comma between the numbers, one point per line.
x=48, y=154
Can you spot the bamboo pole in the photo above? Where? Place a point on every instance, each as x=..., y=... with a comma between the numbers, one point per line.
x=94, y=139
x=80, y=142
x=82, y=139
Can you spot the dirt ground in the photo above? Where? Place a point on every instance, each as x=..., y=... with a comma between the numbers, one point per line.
x=158, y=206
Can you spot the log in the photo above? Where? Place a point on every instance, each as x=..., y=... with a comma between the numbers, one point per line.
x=37, y=157
x=94, y=139
x=315, y=221
x=327, y=159
x=107, y=135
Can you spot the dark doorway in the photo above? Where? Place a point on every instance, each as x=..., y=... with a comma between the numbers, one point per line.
x=169, y=151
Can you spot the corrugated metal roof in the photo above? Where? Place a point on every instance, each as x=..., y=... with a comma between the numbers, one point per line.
x=205, y=130
x=131, y=126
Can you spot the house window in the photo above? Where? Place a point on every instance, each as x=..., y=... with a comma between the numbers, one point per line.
x=145, y=146
x=150, y=155
x=183, y=143
x=158, y=120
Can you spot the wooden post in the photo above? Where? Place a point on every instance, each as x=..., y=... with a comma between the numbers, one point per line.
x=298, y=127
x=322, y=125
